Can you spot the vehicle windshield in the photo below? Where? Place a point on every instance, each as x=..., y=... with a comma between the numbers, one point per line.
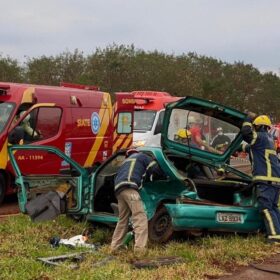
x=201, y=131
x=144, y=120
x=5, y=113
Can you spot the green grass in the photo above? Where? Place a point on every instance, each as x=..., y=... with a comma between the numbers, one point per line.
x=22, y=242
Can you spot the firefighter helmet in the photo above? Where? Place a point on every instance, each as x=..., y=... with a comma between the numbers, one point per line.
x=184, y=133
x=262, y=120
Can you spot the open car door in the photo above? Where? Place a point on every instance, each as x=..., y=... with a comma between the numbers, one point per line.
x=203, y=119
x=61, y=187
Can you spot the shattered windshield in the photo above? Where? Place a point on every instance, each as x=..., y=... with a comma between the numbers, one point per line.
x=201, y=131
x=5, y=113
x=143, y=120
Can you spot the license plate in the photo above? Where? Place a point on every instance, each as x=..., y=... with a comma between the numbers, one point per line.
x=234, y=218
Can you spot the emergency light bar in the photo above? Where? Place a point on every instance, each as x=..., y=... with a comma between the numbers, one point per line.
x=143, y=101
x=78, y=86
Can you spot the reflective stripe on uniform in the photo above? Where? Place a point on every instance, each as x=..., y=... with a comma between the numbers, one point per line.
x=243, y=146
x=151, y=164
x=266, y=178
x=268, y=152
x=131, y=167
x=247, y=124
x=255, y=136
x=270, y=221
x=277, y=236
x=269, y=176
x=125, y=183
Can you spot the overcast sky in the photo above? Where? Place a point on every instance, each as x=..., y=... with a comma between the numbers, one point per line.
x=230, y=30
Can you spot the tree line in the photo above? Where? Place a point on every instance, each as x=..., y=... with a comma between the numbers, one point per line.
x=124, y=68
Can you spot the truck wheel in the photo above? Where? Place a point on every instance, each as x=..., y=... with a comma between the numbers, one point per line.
x=3, y=187
x=160, y=226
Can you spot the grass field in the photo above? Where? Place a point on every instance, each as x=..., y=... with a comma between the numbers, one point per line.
x=22, y=242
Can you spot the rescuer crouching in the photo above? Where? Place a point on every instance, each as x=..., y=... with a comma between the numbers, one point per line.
x=136, y=167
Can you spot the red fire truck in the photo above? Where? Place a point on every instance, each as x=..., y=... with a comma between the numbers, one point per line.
x=79, y=120
x=148, y=116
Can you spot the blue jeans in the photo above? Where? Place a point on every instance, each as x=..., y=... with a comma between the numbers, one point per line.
x=268, y=197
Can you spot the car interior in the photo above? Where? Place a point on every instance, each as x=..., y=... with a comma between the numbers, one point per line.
x=104, y=196
x=211, y=185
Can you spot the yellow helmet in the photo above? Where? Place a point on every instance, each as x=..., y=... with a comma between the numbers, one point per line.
x=262, y=120
x=184, y=133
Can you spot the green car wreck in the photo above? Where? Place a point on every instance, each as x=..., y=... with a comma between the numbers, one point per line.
x=200, y=192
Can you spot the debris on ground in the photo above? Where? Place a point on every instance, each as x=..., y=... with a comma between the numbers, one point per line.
x=268, y=269
x=157, y=262
x=74, y=258
x=75, y=241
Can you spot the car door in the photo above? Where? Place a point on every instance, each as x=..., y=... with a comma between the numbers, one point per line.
x=41, y=125
x=70, y=180
x=201, y=118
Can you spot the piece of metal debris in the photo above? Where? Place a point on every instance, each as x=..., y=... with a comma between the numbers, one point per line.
x=75, y=258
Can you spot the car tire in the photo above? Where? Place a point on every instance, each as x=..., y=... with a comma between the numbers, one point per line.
x=3, y=187
x=160, y=226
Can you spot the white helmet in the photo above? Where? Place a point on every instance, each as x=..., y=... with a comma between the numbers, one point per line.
x=191, y=119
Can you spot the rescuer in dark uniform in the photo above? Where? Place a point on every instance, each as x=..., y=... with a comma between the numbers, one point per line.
x=265, y=170
x=220, y=141
x=136, y=167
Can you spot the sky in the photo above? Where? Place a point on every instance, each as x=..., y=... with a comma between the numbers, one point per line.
x=230, y=30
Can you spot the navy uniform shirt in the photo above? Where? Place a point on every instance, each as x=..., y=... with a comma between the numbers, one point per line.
x=134, y=170
x=265, y=163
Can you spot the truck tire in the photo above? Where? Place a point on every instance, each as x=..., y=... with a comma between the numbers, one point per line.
x=3, y=187
x=160, y=226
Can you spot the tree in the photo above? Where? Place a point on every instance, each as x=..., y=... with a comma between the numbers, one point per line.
x=10, y=70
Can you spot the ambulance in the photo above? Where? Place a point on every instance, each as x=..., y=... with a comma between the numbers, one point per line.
x=79, y=120
x=148, y=116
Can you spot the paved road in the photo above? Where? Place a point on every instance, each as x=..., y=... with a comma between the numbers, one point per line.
x=241, y=164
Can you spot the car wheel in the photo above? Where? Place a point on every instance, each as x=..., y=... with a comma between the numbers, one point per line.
x=160, y=226
x=3, y=187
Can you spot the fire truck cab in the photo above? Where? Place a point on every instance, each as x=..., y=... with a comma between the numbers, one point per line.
x=79, y=120
x=148, y=116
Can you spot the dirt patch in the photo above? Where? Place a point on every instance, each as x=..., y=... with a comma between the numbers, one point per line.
x=268, y=269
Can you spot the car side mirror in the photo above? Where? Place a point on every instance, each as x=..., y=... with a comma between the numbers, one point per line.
x=16, y=135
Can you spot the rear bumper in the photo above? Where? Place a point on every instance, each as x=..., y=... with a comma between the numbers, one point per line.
x=204, y=217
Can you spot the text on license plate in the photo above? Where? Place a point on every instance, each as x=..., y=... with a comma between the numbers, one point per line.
x=223, y=217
